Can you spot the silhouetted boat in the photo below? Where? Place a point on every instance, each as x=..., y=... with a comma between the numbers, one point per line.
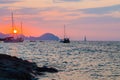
x=14, y=38
x=32, y=41
x=85, y=39
x=65, y=40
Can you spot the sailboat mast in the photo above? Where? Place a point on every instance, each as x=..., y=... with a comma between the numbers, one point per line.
x=64, y=31
x=21, y=29
x=12, y=21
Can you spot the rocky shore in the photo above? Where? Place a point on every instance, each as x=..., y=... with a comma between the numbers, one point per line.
x=13, y=68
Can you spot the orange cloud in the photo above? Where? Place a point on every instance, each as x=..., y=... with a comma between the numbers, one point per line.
x=73, y=5
x=61, y=15
x=115, y=14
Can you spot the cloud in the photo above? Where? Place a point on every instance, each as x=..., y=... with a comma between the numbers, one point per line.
x=67, y=4
x=115, y=14
x=60, y=1
x=62, y=15
x=111, y=11
x=4, y=11
x=59, y=14
x=85, y=4
x=97, y=20
x=8, y=1
x=101, y=10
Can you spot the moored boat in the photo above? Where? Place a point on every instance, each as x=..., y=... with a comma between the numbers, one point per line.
x=65, y=39
x=14, y=38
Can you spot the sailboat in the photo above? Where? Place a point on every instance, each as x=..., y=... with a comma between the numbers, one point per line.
x=85, y=39
x=14, y=38
x=65, y=40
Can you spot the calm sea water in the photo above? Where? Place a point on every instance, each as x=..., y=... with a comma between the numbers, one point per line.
x=93, y=60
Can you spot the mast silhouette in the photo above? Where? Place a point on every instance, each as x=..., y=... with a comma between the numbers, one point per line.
x=21, y=28
x=12, y=21
x=64, y=31
x=13, y=27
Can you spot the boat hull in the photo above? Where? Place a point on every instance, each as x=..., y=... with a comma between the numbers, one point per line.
x=13, y=40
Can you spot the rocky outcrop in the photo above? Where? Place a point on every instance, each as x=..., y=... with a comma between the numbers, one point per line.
x=13, y=68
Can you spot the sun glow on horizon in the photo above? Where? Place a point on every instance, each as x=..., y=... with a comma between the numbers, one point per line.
x=15, y=31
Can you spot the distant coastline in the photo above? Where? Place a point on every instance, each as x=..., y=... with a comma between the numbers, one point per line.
x=46, y=36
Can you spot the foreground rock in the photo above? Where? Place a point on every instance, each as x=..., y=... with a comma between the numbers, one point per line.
x=13, y=68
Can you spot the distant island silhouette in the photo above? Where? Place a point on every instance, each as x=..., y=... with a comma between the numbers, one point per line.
x=46, y=36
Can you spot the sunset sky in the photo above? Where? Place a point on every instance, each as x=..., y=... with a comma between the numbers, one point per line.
x=95, y=19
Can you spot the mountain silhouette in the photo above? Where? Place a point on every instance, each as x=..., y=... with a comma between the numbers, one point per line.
x=46, y=36
x=2, y=35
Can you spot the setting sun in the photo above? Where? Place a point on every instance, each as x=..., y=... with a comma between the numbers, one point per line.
x=15, y=31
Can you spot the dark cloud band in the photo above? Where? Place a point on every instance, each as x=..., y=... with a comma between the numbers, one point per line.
x=8, y=1
x=101, y=10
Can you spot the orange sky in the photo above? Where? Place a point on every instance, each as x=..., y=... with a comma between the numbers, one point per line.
x=97, y=19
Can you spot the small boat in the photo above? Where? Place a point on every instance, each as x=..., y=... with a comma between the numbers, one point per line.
x=85, y=39
x=32, y=41
x=14, y=38
x=65, y=39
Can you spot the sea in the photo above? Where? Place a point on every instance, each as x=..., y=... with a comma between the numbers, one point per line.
x=78, y=60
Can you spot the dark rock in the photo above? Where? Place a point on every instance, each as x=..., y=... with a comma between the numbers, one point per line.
x=47, y=69
x=13, y=68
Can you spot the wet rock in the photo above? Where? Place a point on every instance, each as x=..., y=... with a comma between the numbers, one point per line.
x=13, y=68
x=47, y=69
